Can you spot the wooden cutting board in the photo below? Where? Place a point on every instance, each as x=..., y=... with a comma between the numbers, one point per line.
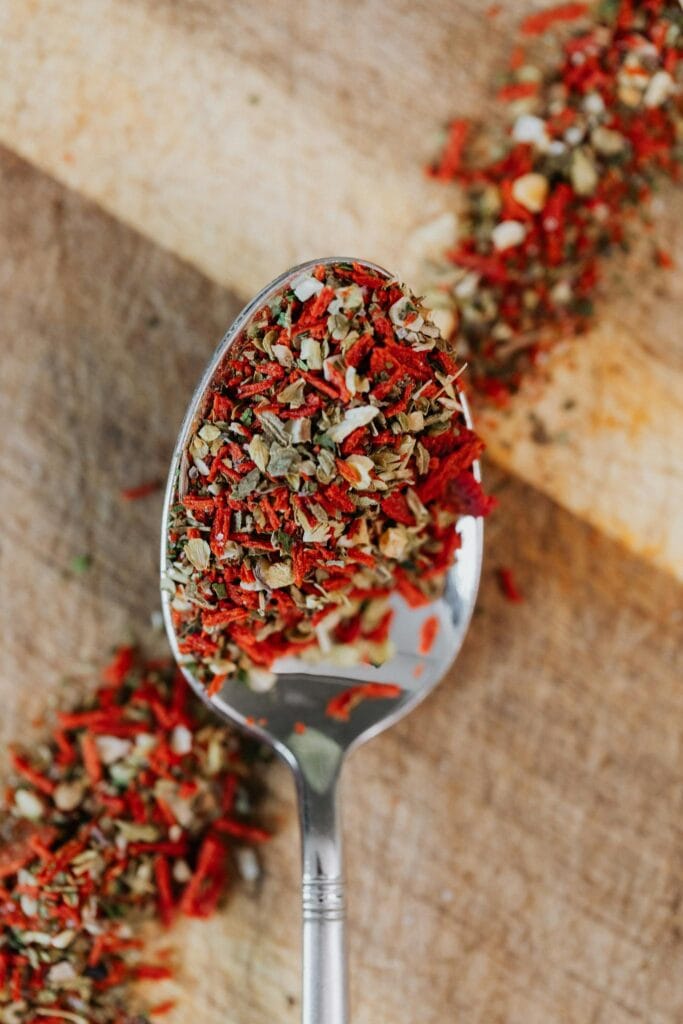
x=514, y=847
x=248, y=136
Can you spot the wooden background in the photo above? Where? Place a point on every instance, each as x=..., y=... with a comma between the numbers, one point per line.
x=515, y=847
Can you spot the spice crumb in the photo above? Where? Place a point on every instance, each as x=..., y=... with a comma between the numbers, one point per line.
x=162, y=1008
x=664, y=259
x=508, y=585
x=140, y=490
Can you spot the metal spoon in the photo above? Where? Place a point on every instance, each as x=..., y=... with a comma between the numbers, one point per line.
x=301, y=694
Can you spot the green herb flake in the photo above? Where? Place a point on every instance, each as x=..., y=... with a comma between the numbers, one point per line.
x=80, y=563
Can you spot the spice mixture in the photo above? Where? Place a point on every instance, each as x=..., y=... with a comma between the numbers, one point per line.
x=589, y=136
x=328, y=470
x=128, y=811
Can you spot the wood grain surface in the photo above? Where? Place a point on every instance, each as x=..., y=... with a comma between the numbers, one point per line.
x=515, y=847
x=248, y=136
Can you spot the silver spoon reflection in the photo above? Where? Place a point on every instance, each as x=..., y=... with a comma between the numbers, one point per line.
x=302, y=692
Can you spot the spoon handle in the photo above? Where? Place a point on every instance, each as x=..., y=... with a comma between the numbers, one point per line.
x=325, y=995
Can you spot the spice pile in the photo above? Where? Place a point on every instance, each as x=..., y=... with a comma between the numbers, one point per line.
x=127, y=812
x=330, y=468
x=588, y=139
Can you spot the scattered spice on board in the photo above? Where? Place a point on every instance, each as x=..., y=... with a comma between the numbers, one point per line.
x=588, y=138
x=328, y=470
x=508, y=585
x=129, y=810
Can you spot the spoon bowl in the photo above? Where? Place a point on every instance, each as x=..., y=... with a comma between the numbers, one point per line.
x=293, y=717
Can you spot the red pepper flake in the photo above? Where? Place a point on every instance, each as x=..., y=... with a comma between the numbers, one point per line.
x=517, y=59
x=211, y=856
x=141, y=490
x=159, y=1009
x=15, y=986
x=200, y=505
x=517, y=91
x=18, y=846
x=37, y=779
x=449, y=468
x=66, y=753
x=341, y=706
x=537, y=24
x=152, y=972
x=41, y=851
x=451, y=156
x=299, y=728
x=91, y=758
x=162, y=875
x=359, y=350
x=508, y=586
x=414, y=597
x=97, y=951
x=429, y=631
x=321, y=302
x=116, y=671
x=664, y=259
x=221, y=407
x=242, y=830
x=364, y=278
x=223, y=616
x=216, y=684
